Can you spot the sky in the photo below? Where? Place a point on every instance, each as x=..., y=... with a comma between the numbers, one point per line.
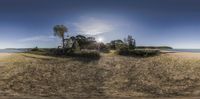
x=29, y=23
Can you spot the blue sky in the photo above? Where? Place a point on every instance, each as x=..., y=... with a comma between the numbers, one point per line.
x=29, y=23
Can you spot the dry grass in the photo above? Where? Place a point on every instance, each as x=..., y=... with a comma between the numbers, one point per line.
x=112, y=75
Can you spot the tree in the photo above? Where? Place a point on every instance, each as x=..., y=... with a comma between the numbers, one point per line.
x=131, y=42
x=82, y=41
x=60, y=30
x=75, y=45
x=115, y=44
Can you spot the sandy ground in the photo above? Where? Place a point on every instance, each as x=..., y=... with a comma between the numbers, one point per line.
x=2, y=55
x=189, y=55
x=176, y=54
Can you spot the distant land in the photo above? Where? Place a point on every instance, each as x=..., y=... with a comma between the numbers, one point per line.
x=154, y=47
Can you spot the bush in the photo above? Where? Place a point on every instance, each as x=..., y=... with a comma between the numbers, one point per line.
x=60, y=52
x=138, y=52
x=55, y=51
x=87, y=54
x=35, y=49
x=104, y=48
x=71, y=52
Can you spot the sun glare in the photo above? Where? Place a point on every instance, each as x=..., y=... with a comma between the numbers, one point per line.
x=100, y=39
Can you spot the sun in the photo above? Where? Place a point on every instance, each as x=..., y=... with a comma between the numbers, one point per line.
x=99, y=39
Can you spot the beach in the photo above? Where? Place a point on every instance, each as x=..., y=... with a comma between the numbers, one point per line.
x=2, y=55
x=186, y=55
x=189, y=55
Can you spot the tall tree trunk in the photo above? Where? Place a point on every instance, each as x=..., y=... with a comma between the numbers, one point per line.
x=63, y=41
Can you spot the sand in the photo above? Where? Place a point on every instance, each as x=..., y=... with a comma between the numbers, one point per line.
x=189, y=55
x=2, y=55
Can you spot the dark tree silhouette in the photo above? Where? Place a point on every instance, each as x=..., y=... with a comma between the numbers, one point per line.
x=115, y=43
x=82, y=41
x=60, y=30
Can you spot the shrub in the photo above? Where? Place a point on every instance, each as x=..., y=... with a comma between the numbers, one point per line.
x=35, y=49
x=138, y=52
x=71, y=52
x=55, y=52
x=104, y=48
x=87, y=54
x=60, y=51
x=124, y=51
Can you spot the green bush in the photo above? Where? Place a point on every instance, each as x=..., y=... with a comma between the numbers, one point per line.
x=72, y=53
x=138, y=52
x=60, y=51
x=35, y=49
x=55, y=51
x=87, y=54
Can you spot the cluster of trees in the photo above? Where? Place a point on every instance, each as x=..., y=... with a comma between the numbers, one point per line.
x=75, y=42
x=128, y=42
x=82, y=42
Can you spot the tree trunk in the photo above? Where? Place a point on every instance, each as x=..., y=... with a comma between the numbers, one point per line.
x=63, y=41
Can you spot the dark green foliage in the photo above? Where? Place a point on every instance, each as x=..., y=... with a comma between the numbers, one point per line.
x=73, y=53
x=59, y=30
x=116, y=44
x=35, y=49
x=55, y=51
x=104, y=48
x=131, y=42
x=82, y=41
x=87, y=54
x=154, y=47
x=138, y=52
x=60, y=51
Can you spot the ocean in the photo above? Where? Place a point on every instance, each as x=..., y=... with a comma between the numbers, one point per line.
x=10, y=51
x=185, y=50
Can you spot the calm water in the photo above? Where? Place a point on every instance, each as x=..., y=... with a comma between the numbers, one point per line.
x=186, y=50
x=10, y=51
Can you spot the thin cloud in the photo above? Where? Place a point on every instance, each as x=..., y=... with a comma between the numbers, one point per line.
x=93, y=26
x=38, y=38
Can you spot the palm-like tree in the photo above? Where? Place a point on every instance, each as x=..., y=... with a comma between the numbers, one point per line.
x=60, y=30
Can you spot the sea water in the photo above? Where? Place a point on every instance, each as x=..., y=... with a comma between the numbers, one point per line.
x=10, y=50
x=186, y=50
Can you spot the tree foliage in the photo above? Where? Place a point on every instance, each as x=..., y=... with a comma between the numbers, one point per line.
x=60, y=30
x=115, y=44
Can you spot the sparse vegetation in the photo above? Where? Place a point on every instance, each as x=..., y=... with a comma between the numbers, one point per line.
x=154, y=47
x=87, y=54
x=111, y=76
x=138, y=52
x=35, y=49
